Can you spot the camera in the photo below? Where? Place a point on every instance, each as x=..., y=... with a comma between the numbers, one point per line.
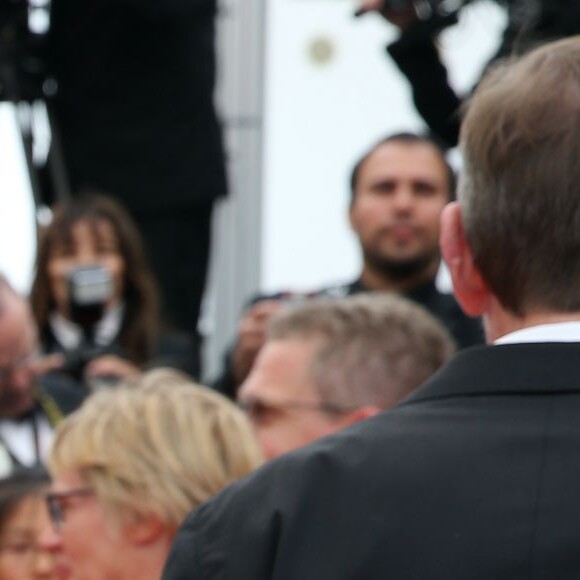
x=425, y=8
x=397, y=5
x=90, y=289
x=437, y=13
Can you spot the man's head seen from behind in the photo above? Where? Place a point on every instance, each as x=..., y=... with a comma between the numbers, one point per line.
x=513, y=242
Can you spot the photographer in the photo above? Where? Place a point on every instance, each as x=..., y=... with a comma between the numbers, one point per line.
x=415, y=52
x=135, y=116
x=128, y=87
x=94, y=297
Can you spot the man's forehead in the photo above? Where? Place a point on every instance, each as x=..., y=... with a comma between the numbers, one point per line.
x=17, y=333
x=396, y=157
x=282, y=369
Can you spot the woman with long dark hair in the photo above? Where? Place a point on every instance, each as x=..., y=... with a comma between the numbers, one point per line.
x=91, y=236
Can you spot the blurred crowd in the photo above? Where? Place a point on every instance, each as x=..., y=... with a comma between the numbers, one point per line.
x=372, y=403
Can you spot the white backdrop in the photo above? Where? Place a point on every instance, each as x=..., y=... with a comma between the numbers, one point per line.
x=17, y=228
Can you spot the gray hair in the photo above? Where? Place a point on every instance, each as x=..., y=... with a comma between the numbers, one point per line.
x=375, y=347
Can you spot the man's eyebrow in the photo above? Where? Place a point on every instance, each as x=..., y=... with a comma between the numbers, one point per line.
x=380, y=182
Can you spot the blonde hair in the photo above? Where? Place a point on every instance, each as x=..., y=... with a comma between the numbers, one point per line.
x=160, y=444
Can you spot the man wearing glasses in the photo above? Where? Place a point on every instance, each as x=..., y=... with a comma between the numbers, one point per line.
x=329, y=363
x=32, y=401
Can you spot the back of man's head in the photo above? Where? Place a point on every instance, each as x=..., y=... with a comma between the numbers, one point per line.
x=520, y=189
x=375, y=348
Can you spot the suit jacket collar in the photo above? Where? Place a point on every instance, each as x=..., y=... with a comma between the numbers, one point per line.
x=540, y=368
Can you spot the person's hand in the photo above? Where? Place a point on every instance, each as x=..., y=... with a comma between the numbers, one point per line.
x=251, y=337
x=365, y=6
x=46, y=364
x=110, y=365
x=402, y=19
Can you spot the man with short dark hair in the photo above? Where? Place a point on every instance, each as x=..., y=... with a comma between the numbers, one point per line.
x=476, y=475
x=32, y=400
x=398, y=191
x=328, y=363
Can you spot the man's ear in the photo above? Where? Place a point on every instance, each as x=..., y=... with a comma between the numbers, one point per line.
x=469, y=287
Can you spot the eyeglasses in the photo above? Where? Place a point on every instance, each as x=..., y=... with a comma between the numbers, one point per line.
x=258, y=409
x=58, y=501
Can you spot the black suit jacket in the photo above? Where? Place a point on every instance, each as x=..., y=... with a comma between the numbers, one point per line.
x=58, y=396
x=475, y=477
x=135, y=102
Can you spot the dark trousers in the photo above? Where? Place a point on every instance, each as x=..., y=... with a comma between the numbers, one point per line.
x=178, y=246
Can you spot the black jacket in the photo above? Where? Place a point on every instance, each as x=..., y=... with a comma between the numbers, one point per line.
x=417, y=56
x=135, y=102
x=474, y=477
x=171, y=349
x=56, y=396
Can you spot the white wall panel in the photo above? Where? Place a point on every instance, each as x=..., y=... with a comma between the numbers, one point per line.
x=17, y=215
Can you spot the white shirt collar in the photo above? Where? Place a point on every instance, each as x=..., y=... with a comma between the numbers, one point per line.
x=555, y=332
x=69, y=335
x=18, y=438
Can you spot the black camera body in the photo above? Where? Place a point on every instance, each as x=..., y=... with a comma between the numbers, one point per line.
x=436, y=14
x=405, y=4
x=76, y=360
x=426, y=8
x=90, y=289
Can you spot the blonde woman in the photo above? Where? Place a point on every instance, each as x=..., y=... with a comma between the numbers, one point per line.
x=131, y=463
